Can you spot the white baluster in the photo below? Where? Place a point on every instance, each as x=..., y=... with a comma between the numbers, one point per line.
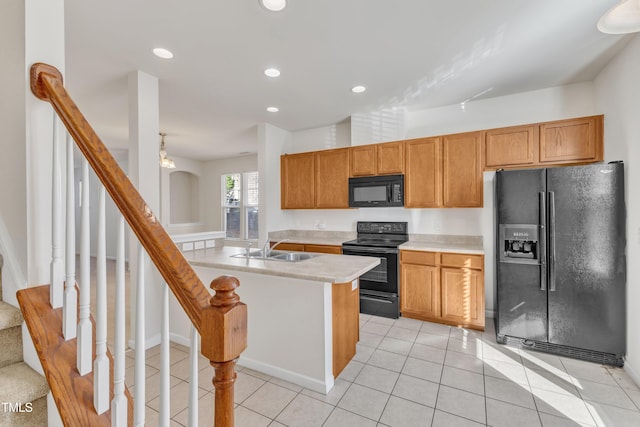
x=70, y=304
x=193, y=379
x=165, y=402
x=119, y=404
x=85, y=329
x=101, y=364
x=57, y=243
x=139, y=377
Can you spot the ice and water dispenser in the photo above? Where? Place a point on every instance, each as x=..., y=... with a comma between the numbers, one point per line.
x=519, y=243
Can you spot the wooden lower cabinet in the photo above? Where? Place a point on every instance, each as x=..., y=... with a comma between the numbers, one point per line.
x=442, y=287
x=420, y=300
x=462, y=296
x=345, y=305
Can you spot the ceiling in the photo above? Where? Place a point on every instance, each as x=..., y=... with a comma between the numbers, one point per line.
x=410, y=53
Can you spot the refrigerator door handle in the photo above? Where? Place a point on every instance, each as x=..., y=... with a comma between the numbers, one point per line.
x=552, y=242
x=543, y=241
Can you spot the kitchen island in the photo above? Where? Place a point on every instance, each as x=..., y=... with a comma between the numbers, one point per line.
x=303, y=317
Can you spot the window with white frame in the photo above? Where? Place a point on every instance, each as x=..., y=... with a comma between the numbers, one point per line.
x=240, y=195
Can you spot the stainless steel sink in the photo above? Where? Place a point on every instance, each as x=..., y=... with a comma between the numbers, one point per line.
x=293, y=256
x=276, y=255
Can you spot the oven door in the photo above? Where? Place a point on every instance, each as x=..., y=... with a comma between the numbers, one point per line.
x=383, y=277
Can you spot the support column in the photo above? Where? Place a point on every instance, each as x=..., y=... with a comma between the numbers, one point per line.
x=144, y=125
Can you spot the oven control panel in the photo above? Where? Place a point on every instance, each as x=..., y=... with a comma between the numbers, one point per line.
x=382, y=227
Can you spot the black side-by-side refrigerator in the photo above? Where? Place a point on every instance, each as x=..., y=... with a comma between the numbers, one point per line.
x=560, y=260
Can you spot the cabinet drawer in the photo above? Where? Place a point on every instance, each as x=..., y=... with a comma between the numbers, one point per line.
x=418, y=257
x=463, y=260
x=296, y=247
x=324, y=249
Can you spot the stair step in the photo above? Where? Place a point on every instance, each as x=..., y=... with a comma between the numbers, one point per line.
x=10, y=335
x=9, y=316
x=25, y=390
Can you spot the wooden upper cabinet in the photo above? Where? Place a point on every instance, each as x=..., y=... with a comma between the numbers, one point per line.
x=390, y=157
x=297, y=181
x=462, y=170
x=572, y=140
x=332, y=178
x=423, y=176
x=363, y=160
x=377, y=159
x=512, y=146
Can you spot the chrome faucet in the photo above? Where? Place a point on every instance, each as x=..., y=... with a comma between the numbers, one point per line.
x=248, y=249
x=267, y=250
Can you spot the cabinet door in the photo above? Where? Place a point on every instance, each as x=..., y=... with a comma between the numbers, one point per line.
x=363, y=160
x=419, y=291
x=462, y=170
x=332, y=178
x=297, y=180
x=513, y=146
x=462, y=296
x=390, y=158
x=576, y=139
x=423, y=174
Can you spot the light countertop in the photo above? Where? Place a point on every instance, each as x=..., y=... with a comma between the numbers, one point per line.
x=417, y=242
x=322, y=268
x=444, y=243
x=313, y=237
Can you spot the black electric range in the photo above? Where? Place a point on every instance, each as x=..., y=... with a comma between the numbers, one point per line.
x=379, y=287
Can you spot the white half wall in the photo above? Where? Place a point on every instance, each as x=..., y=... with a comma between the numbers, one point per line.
x=617, y=90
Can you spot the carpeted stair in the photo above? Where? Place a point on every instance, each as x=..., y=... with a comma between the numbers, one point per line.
x=23, y=392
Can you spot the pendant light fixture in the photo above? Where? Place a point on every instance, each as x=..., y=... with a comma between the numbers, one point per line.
x=623, y=18
x=165, y=162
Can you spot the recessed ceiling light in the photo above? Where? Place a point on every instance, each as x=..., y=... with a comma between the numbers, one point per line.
x=274, y=5
x=273, y=109
x=272, y=72
x=358, y=89
x=162, y=53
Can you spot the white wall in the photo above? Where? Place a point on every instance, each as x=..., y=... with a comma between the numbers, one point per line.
x=13, y=182
x=333, y=136
x=272, y=143
x=212, y=197
x=617, y=91
x=529, y=107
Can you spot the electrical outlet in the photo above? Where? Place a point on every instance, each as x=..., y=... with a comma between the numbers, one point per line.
x=322, y=225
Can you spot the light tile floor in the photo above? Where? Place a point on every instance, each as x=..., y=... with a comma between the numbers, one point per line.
x=412, y=373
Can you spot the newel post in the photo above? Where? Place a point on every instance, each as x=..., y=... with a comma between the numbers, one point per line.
x=224, y=337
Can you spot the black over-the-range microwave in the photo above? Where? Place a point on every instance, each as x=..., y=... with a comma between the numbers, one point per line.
x=376, y=191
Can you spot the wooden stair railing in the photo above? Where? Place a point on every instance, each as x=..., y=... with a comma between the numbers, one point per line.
x=221, y=320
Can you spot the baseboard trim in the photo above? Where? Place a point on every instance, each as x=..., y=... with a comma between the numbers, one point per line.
x=632, y=372
x=179, y=339
x=152, y=341
x=293, y=377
